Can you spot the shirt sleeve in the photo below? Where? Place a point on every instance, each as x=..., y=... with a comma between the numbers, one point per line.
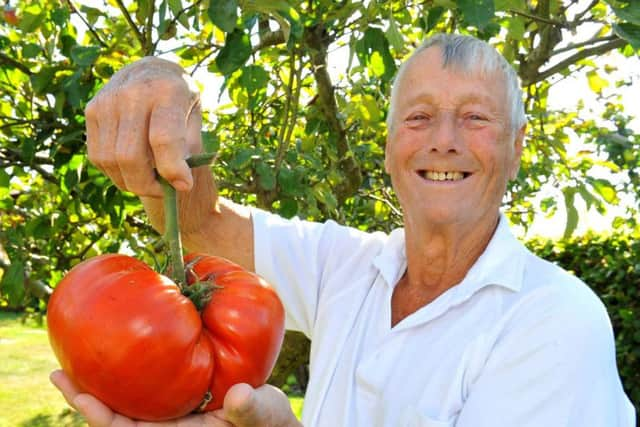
x=554, y=365
x=299, y=257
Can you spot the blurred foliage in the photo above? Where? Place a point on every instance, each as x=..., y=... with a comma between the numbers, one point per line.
x=611, y=267
x=291, y=137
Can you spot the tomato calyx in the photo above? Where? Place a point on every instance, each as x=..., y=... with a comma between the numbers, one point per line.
x=198, y=290
x=200, y=293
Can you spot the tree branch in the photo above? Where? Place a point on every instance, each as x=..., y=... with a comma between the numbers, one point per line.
x=204, y=58
x=132, y=24
x=286, y=123
x=537, y=18
x=592, y=41
x=89, y=26
x=175, y=20
x=7, y=60
x=585, y=53
x=148, y=32
x=317, y=42
x=579, y=16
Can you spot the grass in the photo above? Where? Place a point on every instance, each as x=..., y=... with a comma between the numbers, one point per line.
x=27, y=398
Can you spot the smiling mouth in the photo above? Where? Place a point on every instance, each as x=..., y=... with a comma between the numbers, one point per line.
x=430, y=175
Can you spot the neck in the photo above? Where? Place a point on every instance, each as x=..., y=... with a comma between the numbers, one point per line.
x=439, y=256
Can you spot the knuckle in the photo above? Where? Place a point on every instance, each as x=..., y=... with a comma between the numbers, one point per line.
x=164, y=138
x=125, y=158
x=91, y=110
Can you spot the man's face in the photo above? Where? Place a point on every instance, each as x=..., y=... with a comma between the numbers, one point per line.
x=450, y=151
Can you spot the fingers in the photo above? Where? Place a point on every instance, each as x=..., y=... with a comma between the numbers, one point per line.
x=168, y=144
x=63, y=383
x=145, y=117
x=96, y=413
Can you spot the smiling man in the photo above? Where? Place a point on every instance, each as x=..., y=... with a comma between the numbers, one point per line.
x=448, y=321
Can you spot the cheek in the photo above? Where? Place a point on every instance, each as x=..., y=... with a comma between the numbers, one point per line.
x=401, y=145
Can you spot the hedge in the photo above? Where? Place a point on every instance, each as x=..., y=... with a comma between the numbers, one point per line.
x=610, y=265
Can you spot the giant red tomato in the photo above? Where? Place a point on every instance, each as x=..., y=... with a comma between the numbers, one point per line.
x=127, y=335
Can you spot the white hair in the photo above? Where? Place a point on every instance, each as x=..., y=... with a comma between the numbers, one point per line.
x=472, y=56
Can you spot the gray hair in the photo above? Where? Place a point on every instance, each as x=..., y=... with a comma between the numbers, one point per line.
x=469, y=55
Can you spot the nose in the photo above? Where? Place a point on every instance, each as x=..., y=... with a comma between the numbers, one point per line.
x=445, y=135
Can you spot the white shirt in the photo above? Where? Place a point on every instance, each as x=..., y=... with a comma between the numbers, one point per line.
x=518, y=343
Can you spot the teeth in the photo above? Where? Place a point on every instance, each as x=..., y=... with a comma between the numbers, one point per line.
x=443, y=176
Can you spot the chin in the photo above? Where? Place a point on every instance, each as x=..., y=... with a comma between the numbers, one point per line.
x=429, y=215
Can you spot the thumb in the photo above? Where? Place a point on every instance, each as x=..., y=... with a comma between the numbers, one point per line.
x=240, y=406
x=266, y=406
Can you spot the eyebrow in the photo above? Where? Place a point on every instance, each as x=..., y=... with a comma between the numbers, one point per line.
x=428, y=98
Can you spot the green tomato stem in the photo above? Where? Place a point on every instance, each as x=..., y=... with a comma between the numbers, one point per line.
x=201, y=159
x=171, y=222
x=172, y=233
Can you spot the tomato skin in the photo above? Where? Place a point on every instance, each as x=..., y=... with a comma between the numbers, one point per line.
x=246, y=320
x=126, y=334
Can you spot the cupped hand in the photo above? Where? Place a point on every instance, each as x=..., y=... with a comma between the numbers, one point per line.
x=148, y=115
x=244, y=406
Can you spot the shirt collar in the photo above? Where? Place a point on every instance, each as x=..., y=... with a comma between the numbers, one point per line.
x=501, y=263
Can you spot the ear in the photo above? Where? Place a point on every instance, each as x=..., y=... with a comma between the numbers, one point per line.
x=517, y=152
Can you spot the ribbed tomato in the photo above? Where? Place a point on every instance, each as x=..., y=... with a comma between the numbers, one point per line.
x=127, y=334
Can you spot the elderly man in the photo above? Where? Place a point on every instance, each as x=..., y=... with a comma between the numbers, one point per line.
x=448, y=321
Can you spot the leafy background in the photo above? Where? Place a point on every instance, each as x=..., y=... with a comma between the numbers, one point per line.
x=297, y=139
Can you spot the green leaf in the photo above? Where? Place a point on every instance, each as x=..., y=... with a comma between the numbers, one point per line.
x=266, y=177
x=572, y=212
x=605, y=189
x=28, y=149
x=629, y=12
x=289, y=182
x=12, y=284
x=242, y=158
x=596, y=83
x=288, y=208
x=210, y=142
x=254, y=80
x=5, y=179
x=432, y=17
x=235, y=53
x=32, y=17
x=322, y=193
x=224, y=14
x=176, y=6
x=85, y=56
x=5, y=183
x=41, y=82
x=31, y=50
x=589, y=198
x=71, y=85
x=373, y=51
x=477, y=13
x=92, y=14
x=629, y=32
x=510, y=5
x=60, y=16
x=394, y=36
x=516, y=27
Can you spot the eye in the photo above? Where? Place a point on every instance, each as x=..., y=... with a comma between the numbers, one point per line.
x=476, y=117
x=417, y=119
x=475, y=120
